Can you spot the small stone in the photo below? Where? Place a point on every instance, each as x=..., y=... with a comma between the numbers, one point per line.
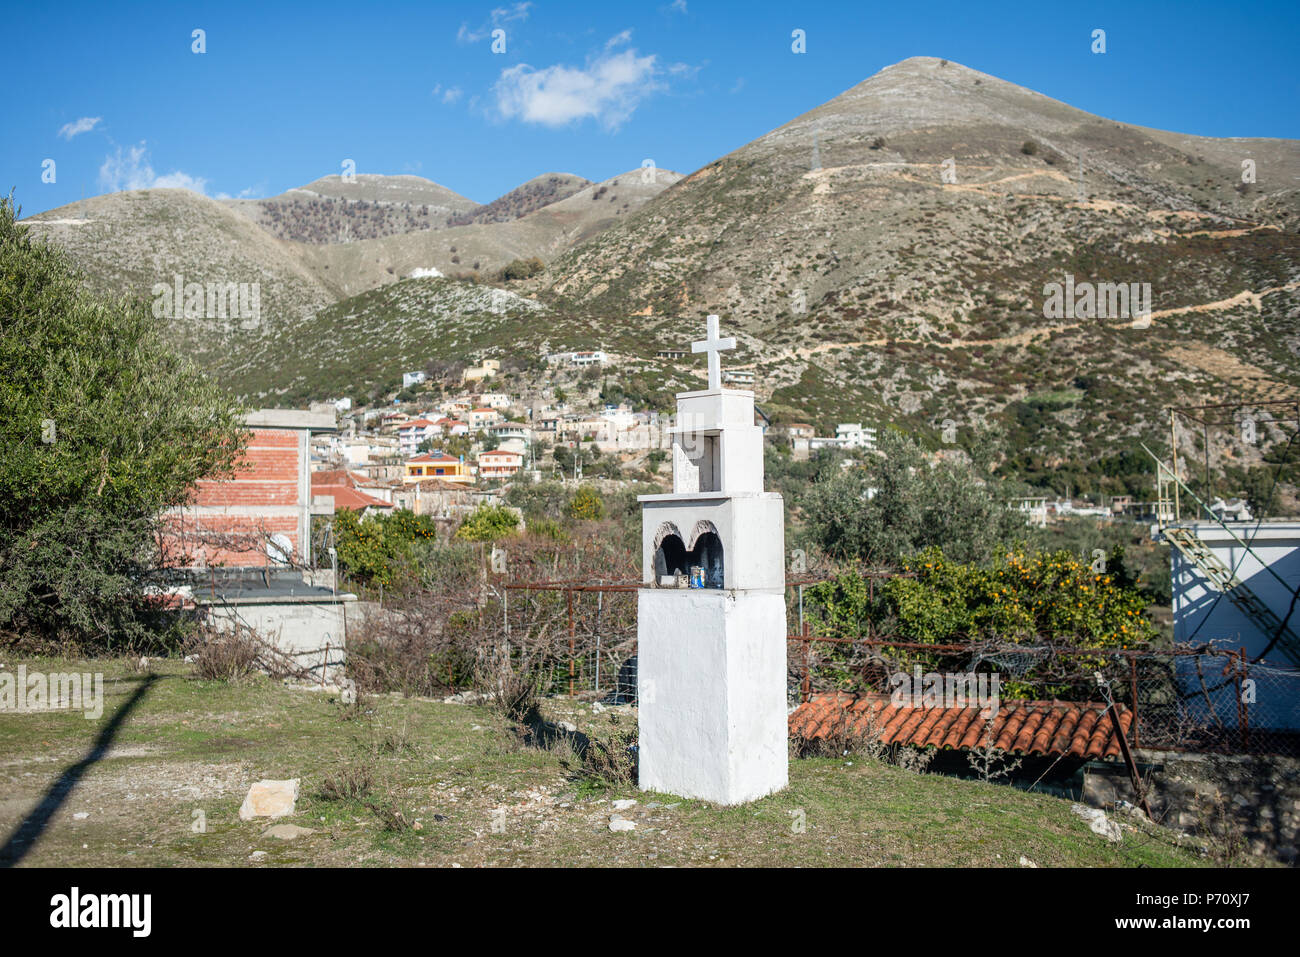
x=81, y=815
x=1098, y=823
x=597, y=708
x=1026, y=862
x=257, y=855
x=623, y=805
x=621, y=824
x=568, y=726
x=287, y=832
x=270, y=799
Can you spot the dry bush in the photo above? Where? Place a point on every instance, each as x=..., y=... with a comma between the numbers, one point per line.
x=460, y=627
x=390, y=816
x=847, y=734
x=609, y=760
x=349, y=784
x=236, y=655
x=392, y=741
x=989, y=762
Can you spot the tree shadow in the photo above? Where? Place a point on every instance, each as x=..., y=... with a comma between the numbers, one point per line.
x=25, y=835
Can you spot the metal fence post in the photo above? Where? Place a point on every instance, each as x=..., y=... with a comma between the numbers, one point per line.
x=1133, y=690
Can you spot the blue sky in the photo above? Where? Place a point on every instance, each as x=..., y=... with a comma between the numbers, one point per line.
x=286, y=92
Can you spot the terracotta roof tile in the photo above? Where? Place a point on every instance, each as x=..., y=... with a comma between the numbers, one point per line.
x=1080, y=729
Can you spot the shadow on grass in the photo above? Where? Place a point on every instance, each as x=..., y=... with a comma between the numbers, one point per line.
x=25, y=835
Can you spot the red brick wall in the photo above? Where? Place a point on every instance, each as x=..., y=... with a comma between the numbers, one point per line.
x=266, y=474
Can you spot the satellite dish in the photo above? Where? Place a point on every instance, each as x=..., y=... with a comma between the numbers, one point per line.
x=279, y=549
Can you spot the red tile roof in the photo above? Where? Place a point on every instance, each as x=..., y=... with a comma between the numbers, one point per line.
x=347, y=497
x=1080, y=729
x=427, y=458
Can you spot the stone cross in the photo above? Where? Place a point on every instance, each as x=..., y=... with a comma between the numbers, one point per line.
x=712, y=344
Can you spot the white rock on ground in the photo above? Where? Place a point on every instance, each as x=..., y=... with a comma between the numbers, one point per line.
x=1026, y=862
x=621, y=824
x=623, y=805
x=270, y=799
x=1098, y=823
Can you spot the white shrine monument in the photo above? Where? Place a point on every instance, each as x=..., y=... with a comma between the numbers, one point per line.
x=711, y=658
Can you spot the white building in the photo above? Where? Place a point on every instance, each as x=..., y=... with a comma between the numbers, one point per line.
x=410, y=435
x=412, y=378
x=580, y=359
x=1232, y=597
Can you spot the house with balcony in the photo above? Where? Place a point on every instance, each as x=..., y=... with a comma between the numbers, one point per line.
x=437, y=465
x=499, y=464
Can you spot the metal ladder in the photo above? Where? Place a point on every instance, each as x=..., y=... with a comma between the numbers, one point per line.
x=1224, y=580
x=1220, y=577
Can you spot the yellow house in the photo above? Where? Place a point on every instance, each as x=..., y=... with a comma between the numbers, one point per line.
x=437, y=465
x=485, y=370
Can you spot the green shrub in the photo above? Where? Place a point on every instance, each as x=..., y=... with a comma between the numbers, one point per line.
x=487, y=523
x=104, y=428
x=587, y=505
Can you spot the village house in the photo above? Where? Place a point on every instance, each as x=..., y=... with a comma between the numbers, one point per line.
x=440, y=499
x=499, y=464
x=453, y=427
x=511, y=436
x=482, y=417
x=484, y=370
x=593, y=357
x=437, y=465
x=391, y=421
x=243, y=546
x=348, y=490
x=494, y=400
x=411, y=435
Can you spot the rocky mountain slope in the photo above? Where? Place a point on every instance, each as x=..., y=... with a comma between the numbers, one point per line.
x=886, y=257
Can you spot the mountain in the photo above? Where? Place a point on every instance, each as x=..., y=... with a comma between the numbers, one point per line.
x=537, y=192
x=862, y=286
x=887, y=256
x=367, y=206
x=128, y=243
x=482, y=248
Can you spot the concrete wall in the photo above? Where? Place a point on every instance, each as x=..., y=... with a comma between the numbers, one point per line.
x=314, y=633
x=711, y=674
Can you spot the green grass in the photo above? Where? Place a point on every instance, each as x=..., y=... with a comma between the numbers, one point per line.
x=195, y=746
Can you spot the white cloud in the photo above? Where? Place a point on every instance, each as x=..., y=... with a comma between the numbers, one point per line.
x=452, y=94
x=608, y=89
x=678, y=5
x=505, y=15
x=83, y=125
x=500, y=15
x=131, y=169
